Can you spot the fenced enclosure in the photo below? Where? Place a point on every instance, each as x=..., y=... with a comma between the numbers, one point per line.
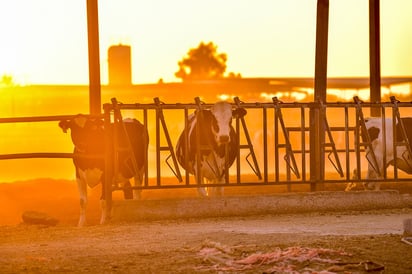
x=275, y=142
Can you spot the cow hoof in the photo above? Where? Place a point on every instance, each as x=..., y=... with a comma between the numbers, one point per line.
x=128, y=193
x=105, y=220
x=202, y=192
x=219, y=192
x=137, y=194
x=371, y=186
x=350, y=186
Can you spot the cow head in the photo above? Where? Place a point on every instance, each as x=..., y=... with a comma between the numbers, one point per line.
x=86, y=133
x=374, y=129
x=221, y=120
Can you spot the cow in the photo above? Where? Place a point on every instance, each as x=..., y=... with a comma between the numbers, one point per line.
x=218, y=145
x=88, y=137
x=374, y=127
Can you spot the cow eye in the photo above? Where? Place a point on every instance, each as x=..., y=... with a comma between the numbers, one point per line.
x=215, y=126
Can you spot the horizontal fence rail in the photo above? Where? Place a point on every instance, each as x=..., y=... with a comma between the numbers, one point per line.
x=39, y=119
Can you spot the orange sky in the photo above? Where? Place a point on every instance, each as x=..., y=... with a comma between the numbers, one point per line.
x=45, y=41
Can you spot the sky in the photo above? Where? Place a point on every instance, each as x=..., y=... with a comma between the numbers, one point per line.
x=45, y=41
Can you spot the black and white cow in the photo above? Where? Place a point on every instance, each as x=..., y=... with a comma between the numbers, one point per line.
x=375, y=127
x=217, y=136
x=88, y=136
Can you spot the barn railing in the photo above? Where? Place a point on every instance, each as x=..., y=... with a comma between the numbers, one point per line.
x=37, y=119
x=274, y=140
x=277, y=152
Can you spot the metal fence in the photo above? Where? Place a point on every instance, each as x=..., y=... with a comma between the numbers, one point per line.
x=276, y=142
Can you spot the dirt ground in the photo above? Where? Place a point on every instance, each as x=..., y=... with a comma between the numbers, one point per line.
x=345, y=242
x=306, y=243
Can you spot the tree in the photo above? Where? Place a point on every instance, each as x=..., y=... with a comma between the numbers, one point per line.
x=202, y=63
x=7, y=81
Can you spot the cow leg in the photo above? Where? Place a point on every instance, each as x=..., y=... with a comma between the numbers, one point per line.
x=202, y=190
x=351, y=185
x=104, y=216
x=127, y=190
x=371, y=175
x=211, y=191
x=82, y=187
x=124, y=184
x=219, y=190
x=105, y=210
x=216, y=191
x=138, y=181
x=377, y=185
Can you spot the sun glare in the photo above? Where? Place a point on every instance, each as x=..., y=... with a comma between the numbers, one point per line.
x=223, y=97
x=45, y=42
x=291, y=96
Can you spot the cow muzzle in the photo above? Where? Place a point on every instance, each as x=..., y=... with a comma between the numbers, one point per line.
x=224, y=139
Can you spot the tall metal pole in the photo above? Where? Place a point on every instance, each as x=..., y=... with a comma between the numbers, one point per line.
x=317, y=134
x=321, y=58
x=374, y=55
x=94, y=56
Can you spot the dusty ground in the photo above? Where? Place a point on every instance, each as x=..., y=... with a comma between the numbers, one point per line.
x=305, y=243
x=347, y=242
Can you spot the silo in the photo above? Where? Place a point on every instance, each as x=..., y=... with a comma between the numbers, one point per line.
x=120, y=67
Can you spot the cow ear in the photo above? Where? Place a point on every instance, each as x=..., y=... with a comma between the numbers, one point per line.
x=238, y=112
x=64, y=125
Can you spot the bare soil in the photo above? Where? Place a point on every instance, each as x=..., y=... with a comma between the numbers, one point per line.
x=304, y=243
x=346, y=242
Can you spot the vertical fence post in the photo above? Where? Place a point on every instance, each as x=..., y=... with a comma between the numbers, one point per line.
x=158, y=112
x=265, y=145
x=108, y=160
x=317, y=137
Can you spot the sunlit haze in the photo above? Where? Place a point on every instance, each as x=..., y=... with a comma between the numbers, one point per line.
x=45, y=41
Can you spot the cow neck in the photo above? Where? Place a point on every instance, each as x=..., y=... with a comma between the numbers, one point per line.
x=93, y=144
x=204, y=121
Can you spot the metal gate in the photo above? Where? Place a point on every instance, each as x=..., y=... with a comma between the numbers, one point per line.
x=274, y=142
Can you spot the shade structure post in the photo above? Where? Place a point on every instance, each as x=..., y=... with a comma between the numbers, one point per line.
x=321, y=55
x=316, y=133
x=94, y=56
x=374, y=56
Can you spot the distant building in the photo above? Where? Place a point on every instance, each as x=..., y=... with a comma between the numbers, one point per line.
x=120, y=66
